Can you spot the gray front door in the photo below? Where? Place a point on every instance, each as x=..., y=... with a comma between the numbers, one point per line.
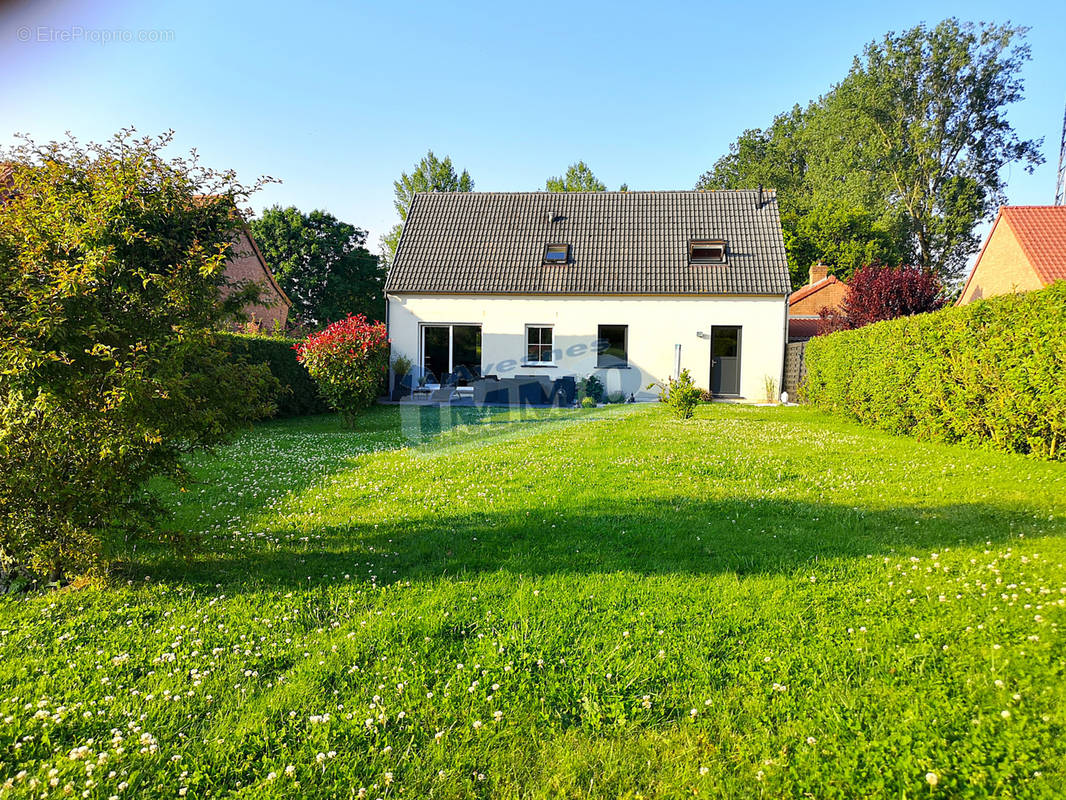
x=725, y=360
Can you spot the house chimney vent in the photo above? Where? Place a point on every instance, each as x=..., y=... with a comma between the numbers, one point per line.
x=819, y=272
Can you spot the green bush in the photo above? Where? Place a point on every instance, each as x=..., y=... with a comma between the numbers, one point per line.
x=590, y=387
x=992, y=373
x=349, y=361
x=298, y=395
x=682, y=395
x=112, y=283
x=588, y=402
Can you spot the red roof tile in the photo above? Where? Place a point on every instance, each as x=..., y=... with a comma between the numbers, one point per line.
x=810, y=289
x=1041, y=231
x=803, y=327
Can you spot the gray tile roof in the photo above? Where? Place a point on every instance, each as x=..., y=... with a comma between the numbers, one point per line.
x=620, y=243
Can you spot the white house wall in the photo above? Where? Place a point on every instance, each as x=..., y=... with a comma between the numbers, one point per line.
x=656, y=325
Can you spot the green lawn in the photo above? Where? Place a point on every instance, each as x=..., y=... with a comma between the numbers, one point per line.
x=761, y=602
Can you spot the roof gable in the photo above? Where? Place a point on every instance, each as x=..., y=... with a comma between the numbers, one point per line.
x=813, y=288
x=620, y=243
x=1041, y=232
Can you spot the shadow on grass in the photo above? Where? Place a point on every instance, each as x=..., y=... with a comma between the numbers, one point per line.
x=645, y=537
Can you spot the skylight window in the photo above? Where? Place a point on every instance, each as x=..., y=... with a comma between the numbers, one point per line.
x=706, y=251
x=556, y=254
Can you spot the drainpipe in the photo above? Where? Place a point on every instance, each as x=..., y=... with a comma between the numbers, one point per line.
x=784, y=351
x=388, y=335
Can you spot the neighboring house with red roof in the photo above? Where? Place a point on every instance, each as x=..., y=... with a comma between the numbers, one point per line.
x=1024, y=251
x=805, y=305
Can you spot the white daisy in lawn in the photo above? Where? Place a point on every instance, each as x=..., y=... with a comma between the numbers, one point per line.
x=477, y=724
x=932, y=778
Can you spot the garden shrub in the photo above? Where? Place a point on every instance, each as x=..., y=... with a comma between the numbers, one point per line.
x=401, y=367
x=990, y=373
x=299, y=393
x=591, y=387
x=112, y=262
x=681, y=394
x=349, y=361
x=588, y=402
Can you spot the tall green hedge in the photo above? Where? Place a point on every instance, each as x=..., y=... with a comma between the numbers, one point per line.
x=992, y=373
x=299, y=394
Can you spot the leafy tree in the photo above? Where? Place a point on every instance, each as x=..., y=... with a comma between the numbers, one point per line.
x=775, y=158
x=578, y=178
x=431, y=174
x=877, y=293
x=843, y=236
x=321, y=263
x=926, y=109
x=839, y=228
x=112, y=285
x=901, y=160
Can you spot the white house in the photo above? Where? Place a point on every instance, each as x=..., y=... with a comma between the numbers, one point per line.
x=629, y=286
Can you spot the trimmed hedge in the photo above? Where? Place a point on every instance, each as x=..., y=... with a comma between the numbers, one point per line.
x=299, y=394
x=992, y=373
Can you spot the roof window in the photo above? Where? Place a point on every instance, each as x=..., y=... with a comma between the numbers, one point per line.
x=556, y=254
x=706, y=251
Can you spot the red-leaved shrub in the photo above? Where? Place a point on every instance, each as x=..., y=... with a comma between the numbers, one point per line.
x=348, y=361
x=877, y=293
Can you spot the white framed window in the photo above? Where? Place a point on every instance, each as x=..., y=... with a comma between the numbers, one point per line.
x=539, y=344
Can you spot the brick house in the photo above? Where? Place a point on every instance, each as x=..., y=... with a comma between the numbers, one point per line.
x=1024, y=251
x=246, y=265
x=805, y=305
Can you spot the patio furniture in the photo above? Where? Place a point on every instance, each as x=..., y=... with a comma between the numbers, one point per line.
x=442, y=395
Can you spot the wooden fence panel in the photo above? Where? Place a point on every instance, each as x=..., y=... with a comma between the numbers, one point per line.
x=795, y=369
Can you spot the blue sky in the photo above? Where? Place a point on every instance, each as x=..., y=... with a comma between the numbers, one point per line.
x=337, y=99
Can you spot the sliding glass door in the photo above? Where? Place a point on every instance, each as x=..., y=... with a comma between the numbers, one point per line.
x=436, y=352
x=451, y=349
